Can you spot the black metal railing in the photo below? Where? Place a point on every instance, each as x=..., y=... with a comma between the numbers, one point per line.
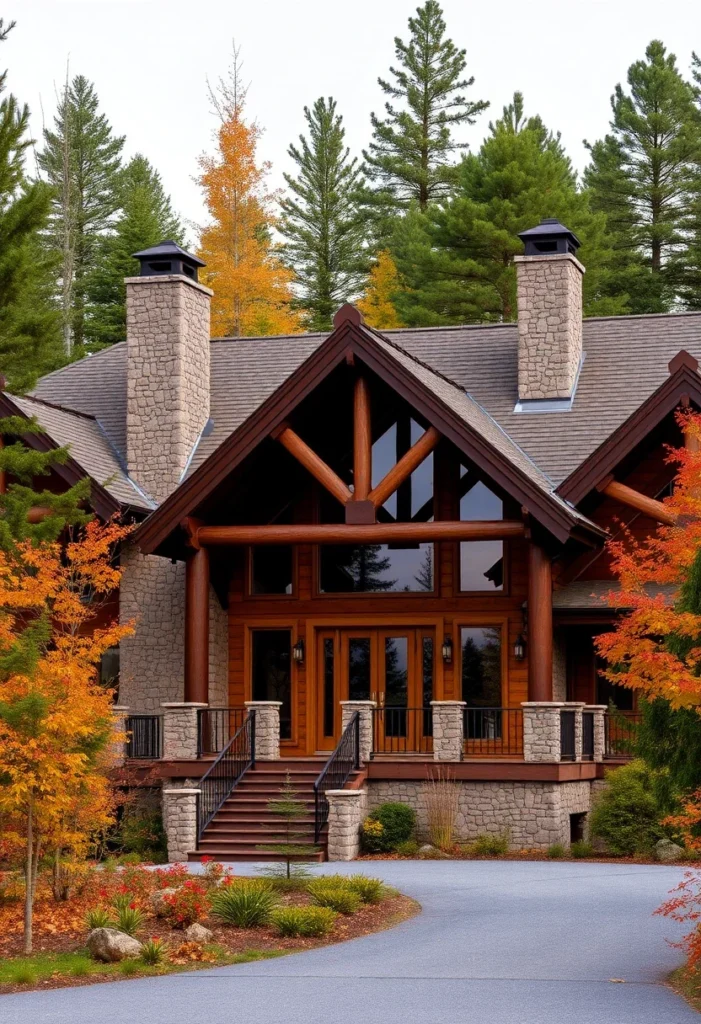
x=402, y=730
x=215, y=727
x=144, y=736
x=620, y=728
x=587, y=735
x=493, y=732
x=567, y=734
x=220, y=780
x=336, y=772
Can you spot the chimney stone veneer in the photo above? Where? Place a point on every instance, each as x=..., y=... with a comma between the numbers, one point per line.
x=549, y=325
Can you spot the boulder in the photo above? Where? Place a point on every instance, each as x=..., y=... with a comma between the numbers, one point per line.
x=156, y=900
x=198, y=933
x=429, y=852
x=667, y=852
x=110, y=945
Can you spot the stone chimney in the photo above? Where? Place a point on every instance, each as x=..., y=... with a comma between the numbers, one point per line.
x=167, y=366
x=549, y=280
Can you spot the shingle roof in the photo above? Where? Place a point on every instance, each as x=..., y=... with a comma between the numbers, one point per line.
x=590, y=595
x=625, y=360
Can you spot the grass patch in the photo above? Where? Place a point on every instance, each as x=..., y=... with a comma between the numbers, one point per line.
x=29, y=970
x=687, y=984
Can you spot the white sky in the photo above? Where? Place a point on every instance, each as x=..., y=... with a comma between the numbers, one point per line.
x=149, y=60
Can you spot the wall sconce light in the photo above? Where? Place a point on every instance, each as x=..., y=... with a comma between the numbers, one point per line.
x=519, y=648
x=447, y=650
x=298, y=651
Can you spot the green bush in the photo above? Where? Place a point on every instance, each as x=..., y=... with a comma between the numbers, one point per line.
x=98, y=918
x=488, y=845
x=397, y=823
x=153, y=952
x=370, y=890
x=581, y=849
x=556, y=851
x=245, y=903
x=141, y=832
x=407, y=849
x=329, y=893
x=128, y=968
x=309, y=922
x=129, y=920
x=626, y=816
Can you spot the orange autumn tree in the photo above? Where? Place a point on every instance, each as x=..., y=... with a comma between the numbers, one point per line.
x=252, y=288
x=377, y=304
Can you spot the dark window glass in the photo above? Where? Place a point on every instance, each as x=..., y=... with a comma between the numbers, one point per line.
x=481, y=561
x=375, y=568
x=109, y=667
x=427, y=677
x=271, y=672
x=480, y=650
x=610, y=693
x=359, y=668
x=415, y=496
x=328, y=686
x=271, y=570
x=396, y=685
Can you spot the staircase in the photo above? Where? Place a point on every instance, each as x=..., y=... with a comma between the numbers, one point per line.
x=243, y=822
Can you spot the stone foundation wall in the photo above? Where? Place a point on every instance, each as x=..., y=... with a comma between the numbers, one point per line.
x=180, y=821
x=535, y=814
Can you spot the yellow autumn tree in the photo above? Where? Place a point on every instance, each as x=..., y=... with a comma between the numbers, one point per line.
x=252, y=287
x=376, y=304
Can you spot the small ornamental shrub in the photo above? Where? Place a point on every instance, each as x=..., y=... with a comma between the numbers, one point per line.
x=248, y=903
x=141, y=833
x=186, y=905
x=129, y=919
x=626, y=816
x=214, y=873
x=556, y=851
x=370, y=890
x=397, y=823
x=488, y=845
x=580, y=849
x=408, y=849
x=98, y=918
x=329, y=893
x=170, y=877
x=153, y=952
x=22, y=974
x=309, y=922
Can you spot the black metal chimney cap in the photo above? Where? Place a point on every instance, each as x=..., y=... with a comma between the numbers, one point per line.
x=168, y=258
x=549, y=238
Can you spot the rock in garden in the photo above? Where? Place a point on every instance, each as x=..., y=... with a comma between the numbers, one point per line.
x=428, y=852
x=198, y=933
x=110, y=945
x=426, y=849
x=158, y=903
x=666, y=851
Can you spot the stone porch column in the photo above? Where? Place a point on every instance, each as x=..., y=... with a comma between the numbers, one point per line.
x=180, y=730
x=599, y=713
x=578, y=707
x=541, y=731
x=346, y=814
x=365, y=710
x=448, y=729
x=180, y=821
x=267, y=728
x=119, y=743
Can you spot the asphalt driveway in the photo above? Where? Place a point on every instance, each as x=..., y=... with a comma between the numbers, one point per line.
x=504, y=942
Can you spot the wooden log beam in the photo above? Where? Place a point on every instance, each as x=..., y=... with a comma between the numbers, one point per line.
x=197, y=627
x=362, y=441
x=344, y=533
x=405, y=467
x=314, y=464
x=540, y=624
x=649, y=506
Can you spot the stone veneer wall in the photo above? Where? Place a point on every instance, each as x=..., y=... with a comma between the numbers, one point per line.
x=549, y=325
x=535, y=814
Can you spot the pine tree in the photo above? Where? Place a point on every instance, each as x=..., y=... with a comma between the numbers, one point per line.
x=377, y=303
x=29, y=327
x=325, y=219
x=290, y=809
x=145, y=218
x=408, y=156
x=689, y=263
x=641, y=177
x=456, y=259
x=81, y=161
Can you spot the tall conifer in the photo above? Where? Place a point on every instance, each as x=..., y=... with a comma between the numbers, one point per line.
x=409, y=156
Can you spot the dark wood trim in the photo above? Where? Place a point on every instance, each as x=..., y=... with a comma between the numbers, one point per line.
x=540, y=624
x=362, y=441
x=403, y=469
x=197, y=627
x=603, y=461
x=345, y=533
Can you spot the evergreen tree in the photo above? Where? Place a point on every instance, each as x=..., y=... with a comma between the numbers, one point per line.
x=409, y=155
x=291, y=810
x=325, y=219
x=81, y=161
x=29, y=327
x=145, y=219
x=689, y=264
x=456, y=259
x=641, y=176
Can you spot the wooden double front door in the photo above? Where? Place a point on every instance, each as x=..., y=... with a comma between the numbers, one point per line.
x=394, y=667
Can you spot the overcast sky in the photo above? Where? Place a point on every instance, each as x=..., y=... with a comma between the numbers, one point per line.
x=150, y=59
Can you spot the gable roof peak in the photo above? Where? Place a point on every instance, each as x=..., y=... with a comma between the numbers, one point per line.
x=683, y=358
x=347, y=314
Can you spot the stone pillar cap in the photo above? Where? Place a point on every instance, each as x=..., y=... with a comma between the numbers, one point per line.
x=543, y=704
x=454, y=703
x=575, y=704
x=346, y=792
x=120, y=707
x=184, y=704
x=596, y=707
x=181, y=792
x=362, y=703
x=262, y=703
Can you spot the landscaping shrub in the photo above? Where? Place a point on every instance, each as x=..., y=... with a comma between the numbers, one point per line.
x=488, y=845
x=141, y=832
x=441, y=794
x=580, y=849
x=626, y=816
x=22, y=974
x=186, y=905
x=153, y=952
x=247, y=903
x=326, y=892
x=128, y=968
x=98, y=918
x=309, y=922
x=556, y=851
x=129, y=919
x=387, y=826
x=370, y=890
x=408, y=849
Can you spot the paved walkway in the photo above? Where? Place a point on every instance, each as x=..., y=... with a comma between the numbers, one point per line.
x=505, y=942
